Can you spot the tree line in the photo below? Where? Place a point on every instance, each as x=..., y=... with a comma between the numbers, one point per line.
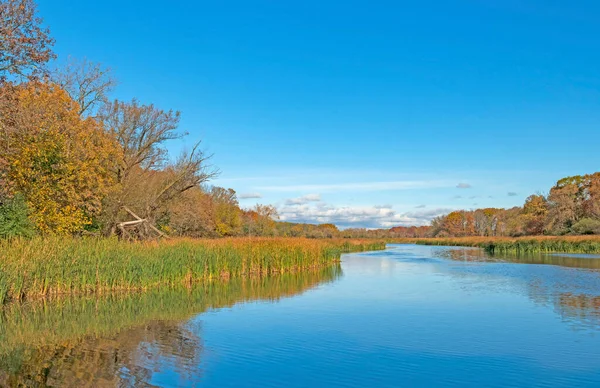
x=73, y=161
x=572, y=207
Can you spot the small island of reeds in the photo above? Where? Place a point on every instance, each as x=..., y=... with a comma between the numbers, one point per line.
x=528, y=244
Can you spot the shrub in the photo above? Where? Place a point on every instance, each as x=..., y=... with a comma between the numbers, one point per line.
x=586, y=226
x=14, y=219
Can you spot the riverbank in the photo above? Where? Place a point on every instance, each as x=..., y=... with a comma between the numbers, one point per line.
x=44, y=267
x=529, y=244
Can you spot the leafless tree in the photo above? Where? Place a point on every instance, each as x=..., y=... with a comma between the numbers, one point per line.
x=148, y=181
x=142, y=131
x=87, y=82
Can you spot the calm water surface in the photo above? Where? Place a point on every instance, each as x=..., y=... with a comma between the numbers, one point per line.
x=407, y=316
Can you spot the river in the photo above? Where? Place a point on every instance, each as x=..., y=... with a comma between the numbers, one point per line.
x=407, y=316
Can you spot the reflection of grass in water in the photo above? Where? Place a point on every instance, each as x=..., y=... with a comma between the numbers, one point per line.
x=51, y=321
x=31, y=333
x=53, y=266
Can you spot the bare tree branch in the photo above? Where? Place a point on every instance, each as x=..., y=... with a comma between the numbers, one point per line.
x=88, y=83
x=190, y=171
x=148, y=183
x=141, y=130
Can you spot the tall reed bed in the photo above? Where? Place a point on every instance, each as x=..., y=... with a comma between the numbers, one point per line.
x=537, y=244
x=54, y=266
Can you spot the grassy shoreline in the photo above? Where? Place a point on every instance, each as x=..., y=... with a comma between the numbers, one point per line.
x=529, y=244
x=44, y=267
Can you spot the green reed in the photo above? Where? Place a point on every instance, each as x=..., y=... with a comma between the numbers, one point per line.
x=538, y=244
x=44, y=267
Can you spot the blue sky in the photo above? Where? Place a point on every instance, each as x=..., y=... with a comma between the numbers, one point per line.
x=361, y=113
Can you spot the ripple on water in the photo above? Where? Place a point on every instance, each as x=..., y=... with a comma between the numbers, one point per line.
x=407, y=316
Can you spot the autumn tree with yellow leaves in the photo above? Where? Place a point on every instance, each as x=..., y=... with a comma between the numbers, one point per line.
x=62, y=164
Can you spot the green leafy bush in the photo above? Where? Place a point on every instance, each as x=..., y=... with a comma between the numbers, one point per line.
x=586, y=226
x=14, y=219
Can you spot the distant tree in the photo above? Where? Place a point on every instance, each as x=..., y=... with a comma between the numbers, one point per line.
x=328, y=230
x=25, y=46
x=267, y=214
x=509, y=222
x=481, y=223
x=572, y=206
x=437, y=226
x=226, y=211
x=493, y=216
x=535, y=212
x=297, y=231
x=566, y=204
x=455, y=224
x=592, y=196
x=260, y=221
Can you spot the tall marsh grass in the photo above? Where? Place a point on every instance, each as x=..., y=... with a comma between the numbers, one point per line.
x=57, y=266
x=537, y=244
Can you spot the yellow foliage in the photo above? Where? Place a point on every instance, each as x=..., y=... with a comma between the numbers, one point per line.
x=60, y=162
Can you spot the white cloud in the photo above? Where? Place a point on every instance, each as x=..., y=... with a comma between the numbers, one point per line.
x=249, y=195
x=304, y=199
x=463, y=185
x=424, y=217
x=357, y=216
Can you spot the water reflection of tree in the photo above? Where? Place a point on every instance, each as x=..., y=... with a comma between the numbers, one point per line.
x=579, y=308
x=122, y=340
x=126, y=358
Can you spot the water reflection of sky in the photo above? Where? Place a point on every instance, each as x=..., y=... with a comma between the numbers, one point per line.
x=411, y=316
x=407, y=316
